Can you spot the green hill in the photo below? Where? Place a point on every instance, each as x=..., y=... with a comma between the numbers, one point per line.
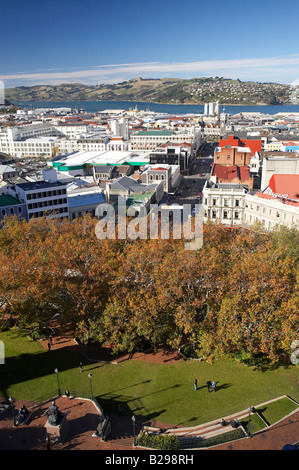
x=165, y=90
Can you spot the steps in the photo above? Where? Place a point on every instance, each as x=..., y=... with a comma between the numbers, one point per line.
x=192, y=437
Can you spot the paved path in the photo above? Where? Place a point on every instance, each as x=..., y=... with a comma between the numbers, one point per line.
x=83, y=418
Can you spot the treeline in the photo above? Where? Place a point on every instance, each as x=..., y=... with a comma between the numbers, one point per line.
x=239, y=292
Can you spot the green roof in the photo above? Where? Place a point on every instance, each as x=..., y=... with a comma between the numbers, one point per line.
x=155, y=133
x=7, y=200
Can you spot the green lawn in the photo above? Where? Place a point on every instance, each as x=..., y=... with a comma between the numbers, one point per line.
x=163, y=392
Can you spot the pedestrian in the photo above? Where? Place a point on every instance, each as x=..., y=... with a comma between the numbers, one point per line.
x=81, y=367
x=209, y=385
x=49, y=346
x=48, y=443
x=67, y=394
x=195, y=384
x=214, y=386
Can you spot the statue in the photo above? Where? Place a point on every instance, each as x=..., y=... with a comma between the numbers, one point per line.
x=53, y=414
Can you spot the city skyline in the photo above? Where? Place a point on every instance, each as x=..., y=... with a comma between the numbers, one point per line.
x=101, y=42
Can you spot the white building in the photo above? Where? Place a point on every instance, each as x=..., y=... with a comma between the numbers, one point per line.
x=169, y=175
x=278, y=164
x=270, y=212
x=277, y=205
x=43, y=198
x=224, y=203
x=29, y=140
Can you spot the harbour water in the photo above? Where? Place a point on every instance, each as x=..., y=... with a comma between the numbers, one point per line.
x=173, y=109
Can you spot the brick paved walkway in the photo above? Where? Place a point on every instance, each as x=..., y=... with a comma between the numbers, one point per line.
x=83, y=418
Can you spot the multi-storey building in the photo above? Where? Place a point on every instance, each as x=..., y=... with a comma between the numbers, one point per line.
x=278, y=163
x=235, y=151
x=224, y=203
x=43, y=198
x=29, y=140
x=231, y=174
x=151, y=139
x=171, y=155
x=277, y=205
x=169, y=175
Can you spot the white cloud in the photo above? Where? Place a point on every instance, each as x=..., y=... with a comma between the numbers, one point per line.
x=263, y=69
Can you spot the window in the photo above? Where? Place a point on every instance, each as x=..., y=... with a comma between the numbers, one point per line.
x=225, y=214
x=236, y=215
x=214, y=202
x=237, y=202
x=213, y=214
x=225, y=202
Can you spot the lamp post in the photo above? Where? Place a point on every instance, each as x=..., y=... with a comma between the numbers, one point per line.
x=56, y=372
x=133, y=421
x=91, y=394
x=248, y=427
x=12, y=411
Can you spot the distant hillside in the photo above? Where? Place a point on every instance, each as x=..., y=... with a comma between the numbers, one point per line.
x=165, y=90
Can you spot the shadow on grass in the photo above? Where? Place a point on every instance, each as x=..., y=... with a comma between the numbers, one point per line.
x=127, y=405
x=26, y=367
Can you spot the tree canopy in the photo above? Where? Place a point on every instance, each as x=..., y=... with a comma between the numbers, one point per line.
x=239, y=292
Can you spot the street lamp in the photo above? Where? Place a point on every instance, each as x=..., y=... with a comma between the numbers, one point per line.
x=12, y=411
x=91, y=394
x=248, y=427
x=56, y=371
x=133, y=421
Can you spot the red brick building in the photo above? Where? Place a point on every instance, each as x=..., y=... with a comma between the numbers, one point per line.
x=235, y=151
x=232, y=174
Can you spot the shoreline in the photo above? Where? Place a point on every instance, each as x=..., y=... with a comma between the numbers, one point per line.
x=150, y=102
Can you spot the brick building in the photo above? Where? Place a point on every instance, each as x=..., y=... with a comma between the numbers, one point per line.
x=236, y=151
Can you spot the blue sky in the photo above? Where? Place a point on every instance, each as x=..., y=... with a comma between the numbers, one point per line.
x=111, y=41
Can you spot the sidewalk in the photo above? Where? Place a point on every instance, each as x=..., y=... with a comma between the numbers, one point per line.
x=83, y=418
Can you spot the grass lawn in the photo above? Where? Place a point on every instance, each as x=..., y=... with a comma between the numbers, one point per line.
x=275, y=411
x=163, y=392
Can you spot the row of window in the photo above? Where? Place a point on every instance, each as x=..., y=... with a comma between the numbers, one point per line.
x=36, y=215
x=213, y=214
x=54, y=202
x=267, y=223
x=11, y=211
x=225, y=202
x=54, y=192
x=270, y=212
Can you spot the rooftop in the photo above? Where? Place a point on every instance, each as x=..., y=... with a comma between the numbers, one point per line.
x=39, y=185
x=7, y=200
